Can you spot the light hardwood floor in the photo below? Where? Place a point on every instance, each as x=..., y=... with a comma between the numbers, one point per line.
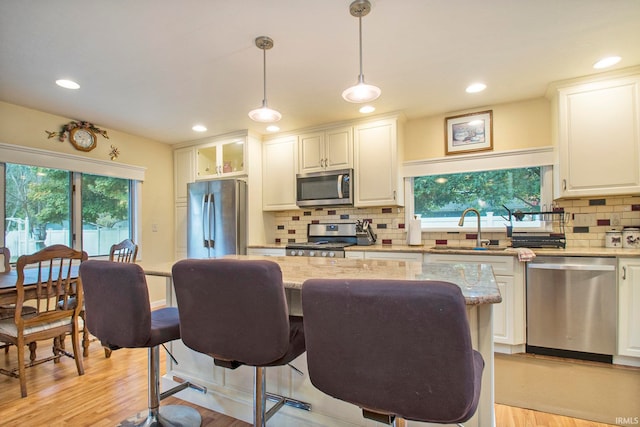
x=112, y=390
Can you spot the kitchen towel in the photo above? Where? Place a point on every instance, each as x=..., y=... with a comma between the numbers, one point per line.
x=415, y=232
x=525, y=254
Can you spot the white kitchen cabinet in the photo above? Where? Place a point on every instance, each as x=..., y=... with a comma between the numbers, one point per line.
x=329, y=149
x=184, y=171
x=598, y=133
x=279, y=168
x=391, y=255
x=377, y=150
x=221, y=158
x=509, y=333
x=629, y=307
x=266, y=251
x=394, y=256
x=354, y=254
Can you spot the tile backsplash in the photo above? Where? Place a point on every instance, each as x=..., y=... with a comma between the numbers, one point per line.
x=594, y=216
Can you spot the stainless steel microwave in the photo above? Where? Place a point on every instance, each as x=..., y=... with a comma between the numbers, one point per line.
x=328, y=188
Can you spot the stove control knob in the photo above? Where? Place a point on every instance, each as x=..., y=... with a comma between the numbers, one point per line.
x=324, y=254
x=292, y=252
x=300, y=253
x=331, y=254
x=312, y=253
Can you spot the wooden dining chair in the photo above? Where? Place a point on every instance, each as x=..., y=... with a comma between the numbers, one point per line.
x=125, y=251
x=5, y=261
x=49, y=279
x=7, y=311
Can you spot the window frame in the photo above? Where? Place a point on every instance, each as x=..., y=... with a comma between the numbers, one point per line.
x=511, y=159
x=76, y=165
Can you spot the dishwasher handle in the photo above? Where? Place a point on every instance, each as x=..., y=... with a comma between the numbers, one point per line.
x=581, y=267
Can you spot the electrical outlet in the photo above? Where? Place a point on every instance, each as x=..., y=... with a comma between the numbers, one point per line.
x=614, y=219
x=154, y=228
x=584, y=220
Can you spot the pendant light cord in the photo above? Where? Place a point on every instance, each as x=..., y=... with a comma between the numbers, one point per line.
x=361, y=76
x=264, y=76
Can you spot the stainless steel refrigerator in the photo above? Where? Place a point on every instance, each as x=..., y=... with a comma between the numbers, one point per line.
x=217, y=218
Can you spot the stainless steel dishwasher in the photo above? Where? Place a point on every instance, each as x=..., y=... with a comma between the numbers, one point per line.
x=572, y=307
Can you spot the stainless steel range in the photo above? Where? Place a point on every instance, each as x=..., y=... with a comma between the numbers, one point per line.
x=325, y=240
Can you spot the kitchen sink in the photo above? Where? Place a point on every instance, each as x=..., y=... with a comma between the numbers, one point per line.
x=468, y=248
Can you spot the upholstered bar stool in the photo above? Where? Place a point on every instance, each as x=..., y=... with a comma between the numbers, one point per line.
x=119, y=315
x=236, y=312
x=400, y=350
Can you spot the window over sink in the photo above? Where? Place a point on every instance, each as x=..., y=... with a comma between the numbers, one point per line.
x=441, y=198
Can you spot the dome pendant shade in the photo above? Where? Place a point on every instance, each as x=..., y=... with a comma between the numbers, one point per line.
x=361, y=92
x=264, y=114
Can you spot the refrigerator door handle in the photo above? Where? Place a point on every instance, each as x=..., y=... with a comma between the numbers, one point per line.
x=204, y=221
x=211, y=220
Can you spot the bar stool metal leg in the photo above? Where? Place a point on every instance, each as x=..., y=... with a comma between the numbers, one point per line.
x=399, y=422
x=169, y=415
x=259, y=397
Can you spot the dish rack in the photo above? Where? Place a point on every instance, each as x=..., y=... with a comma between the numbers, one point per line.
x=555, y=239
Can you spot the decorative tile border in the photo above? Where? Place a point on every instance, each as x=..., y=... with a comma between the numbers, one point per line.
x=610, y=213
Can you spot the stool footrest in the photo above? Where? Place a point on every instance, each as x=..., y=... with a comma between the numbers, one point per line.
x=287, y=401
x=183, y=385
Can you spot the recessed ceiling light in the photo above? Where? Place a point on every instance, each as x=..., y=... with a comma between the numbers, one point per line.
x=607, y=62
x=199, y=128
x=273, y=128
x=367, y=109
x=67, y=84
x=476, y=87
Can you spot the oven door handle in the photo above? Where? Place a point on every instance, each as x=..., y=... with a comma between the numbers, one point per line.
x=581, y=267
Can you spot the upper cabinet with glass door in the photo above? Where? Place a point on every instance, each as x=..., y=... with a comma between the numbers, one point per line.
x=222, y=158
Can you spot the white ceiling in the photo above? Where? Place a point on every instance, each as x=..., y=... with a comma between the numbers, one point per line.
x=156, y=67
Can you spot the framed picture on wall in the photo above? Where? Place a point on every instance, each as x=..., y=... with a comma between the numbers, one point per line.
x=468, y=133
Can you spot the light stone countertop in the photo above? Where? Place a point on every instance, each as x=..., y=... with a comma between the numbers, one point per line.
x=477, y=282
x=501, y=251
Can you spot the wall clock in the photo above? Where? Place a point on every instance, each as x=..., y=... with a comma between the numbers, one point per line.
x=82, y=139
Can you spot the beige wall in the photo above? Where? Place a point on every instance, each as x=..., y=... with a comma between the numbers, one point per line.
x=26, y=127
x=516, y=125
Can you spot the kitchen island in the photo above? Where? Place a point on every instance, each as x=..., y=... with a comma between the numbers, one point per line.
x=230, y=391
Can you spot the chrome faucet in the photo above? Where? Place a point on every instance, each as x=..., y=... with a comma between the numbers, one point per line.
x=479, y=240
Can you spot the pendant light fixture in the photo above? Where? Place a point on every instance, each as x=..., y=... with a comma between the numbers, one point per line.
x=361, y=92
x=264, y=114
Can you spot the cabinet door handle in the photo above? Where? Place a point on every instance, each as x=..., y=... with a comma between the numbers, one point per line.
x=564, y=184
x=624, y=273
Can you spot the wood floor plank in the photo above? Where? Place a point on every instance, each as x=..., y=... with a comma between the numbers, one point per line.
x=114, y=389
